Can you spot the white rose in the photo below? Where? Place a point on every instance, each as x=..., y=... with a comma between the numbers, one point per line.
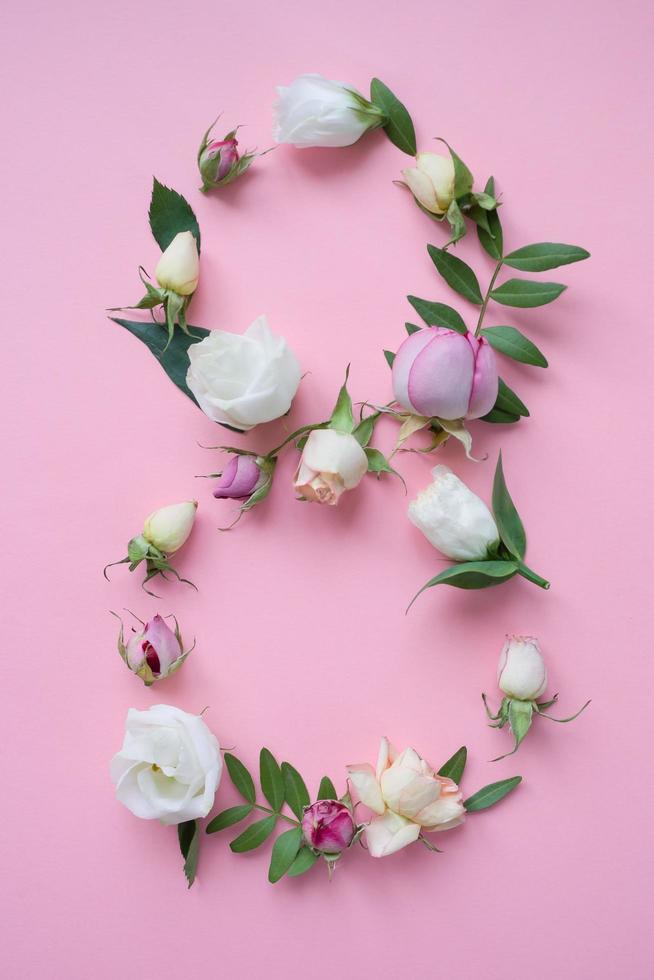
x=431, y=181
x=168, y=527
x=178, y=268
x=314, y=111
x=521, y=672
x=453, y=518
x=331, y=463
x=169, y=766
x=243, y=379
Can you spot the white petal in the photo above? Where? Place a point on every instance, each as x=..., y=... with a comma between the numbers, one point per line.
x=366, y=786
x=390, y=833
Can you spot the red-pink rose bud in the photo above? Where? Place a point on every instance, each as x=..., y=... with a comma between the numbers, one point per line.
x=156, y=647
x=217, y=159
x=328, y=826
x=444, y=374
x=239, y=479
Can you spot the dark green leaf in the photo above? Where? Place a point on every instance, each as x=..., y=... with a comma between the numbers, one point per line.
x=284, y=853
x=472, y=575
x=398, y=126
x=390, y=357
x=499, y=417
x=507, y=401
x=227, y=818
x=241, y=778
x=412, y=328
x=509, y=341
x=327, y=790
x=438, y=314
x=305, y=860
x=508, y=521
x=342, y=417
x=454, y=767
x=188, y=834
x=491, y=794
x=456, y=274
x=297, y=795
x=169, y=214
x=544, y=255
x=272, y=783
x=174, y=360
x=526, y=292
x=254, y=835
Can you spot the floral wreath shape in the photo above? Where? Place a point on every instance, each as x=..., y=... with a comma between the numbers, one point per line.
x=443, y=374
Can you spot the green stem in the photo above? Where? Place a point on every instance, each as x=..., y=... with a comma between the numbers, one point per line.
x=532, y=576
x=282, y=816
x=484, y=305
x=294, y=435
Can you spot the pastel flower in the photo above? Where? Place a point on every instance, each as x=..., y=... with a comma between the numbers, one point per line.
x=521, y=672
x=217, y=159
x=328, y=826
x=169, y=527
x=314, y=111
x=431, y=181
x=454, y=519
x=240, y=478
x=331, y=463
x=178, y=268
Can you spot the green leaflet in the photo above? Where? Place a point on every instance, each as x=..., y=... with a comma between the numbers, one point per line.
x=544, y=256
x=509, y=341
x=327, y=790
x=174, y=357
x=508, y=401
x=390, y=357
x=399, y=125
x=254, y=835
x=456, y=274
x=412, y=328
x=295, y=790
x=227, y=818
x=284, y=852
x=472, y=575
x=499, y=417
x=491, y=794
x=169, y=214
x=272, y=783
x=241, y=778
x=188, y=834
x=508, y=521
x=304, y=861
x=438, y=314
x=490, y=233
x=454, y=766
x=526, y=292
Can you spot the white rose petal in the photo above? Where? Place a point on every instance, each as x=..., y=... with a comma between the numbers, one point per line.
x=315, y=111
x=169, y=527
x=521, y=672
x=453, y=518
x=390, y=833
x=178, y=268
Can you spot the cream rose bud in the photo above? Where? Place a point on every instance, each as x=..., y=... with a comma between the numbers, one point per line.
x=431, y=181
x=169, y=766
x=453, y=518
x=178, y=268
x=244, y=379
x=315, y=111
x=331, y=463
x=521, y=672
x=169, y=527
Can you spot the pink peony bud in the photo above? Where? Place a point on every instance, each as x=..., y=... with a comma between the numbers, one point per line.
x=217, y=159
x=328, y=826
x=154, y=650
x=239, y=479
x=443, y=374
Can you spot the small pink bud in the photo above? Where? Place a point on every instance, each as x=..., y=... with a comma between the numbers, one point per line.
x=239, y=479
x=328, y=826
x=217, y=159
x=154, y=652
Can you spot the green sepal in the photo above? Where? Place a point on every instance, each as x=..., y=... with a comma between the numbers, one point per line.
x=138, y=548
x=170, y=214
x=295, y=790
x=463, y=179
x=254, y=835
x=272, y=783
x=285, y=850
x=457, y=223
x=491, y=794
x=227, y=818
x=438, y=314
x=363, y=432
x=240, y=777
x=412, y=328
x=455, y=765
x=188, y=834
x=456, y=274
x=472, y=575
x=561, y=721
x=377, y=463
x=342, y=418
x=485, y=201
x=397, y=123
x=520, y=714
x=508, y=520
x=326, y=790
x=509, y=341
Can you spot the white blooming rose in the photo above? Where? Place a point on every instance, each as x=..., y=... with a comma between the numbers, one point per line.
x=407, y=796
x=453, y=518
x=331, y=463
x=521, y=672
x=178, y=268
x=169, y=766
x=243, y=379
x=431, y=181
x=168, y=527
x=314, y=111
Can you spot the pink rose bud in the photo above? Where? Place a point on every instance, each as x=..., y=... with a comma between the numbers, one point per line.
x=440, y=373
x=217, y=159
x=154, y=652
x=240, y=478
x=328, y=826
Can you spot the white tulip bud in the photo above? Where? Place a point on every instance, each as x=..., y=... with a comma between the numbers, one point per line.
x=169, y=527
x=454, y=519
x=521, y=672
x=315, y=111
x=431, y=181
x=178, y=268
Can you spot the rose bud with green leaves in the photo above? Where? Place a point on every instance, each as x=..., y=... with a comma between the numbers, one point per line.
x=490, y=548
x=315, y=111
x=164, y=532
x=247, y=477
x=522, y=678
x=220, y=162
x=153, y=652
x=328, y=827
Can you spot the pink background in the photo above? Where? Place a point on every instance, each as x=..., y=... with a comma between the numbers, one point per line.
x=302, y=641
